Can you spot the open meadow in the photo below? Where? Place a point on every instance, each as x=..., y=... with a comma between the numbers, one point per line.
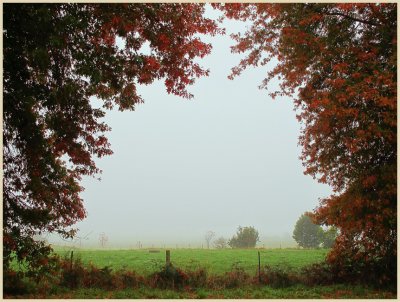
x=215, y=261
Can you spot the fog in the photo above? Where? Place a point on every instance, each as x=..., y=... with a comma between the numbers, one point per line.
x=227, y=158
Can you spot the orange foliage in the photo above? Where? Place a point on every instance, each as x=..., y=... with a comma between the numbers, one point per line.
x=56, y=58
x=341, y=59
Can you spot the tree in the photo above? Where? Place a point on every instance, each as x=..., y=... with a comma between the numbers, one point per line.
x=329, y=237
x=208, y=237
x=57, y=57
x=339, y=63
x=306, y=233
x=246, y=237
x=103, y=239
x=220, y=243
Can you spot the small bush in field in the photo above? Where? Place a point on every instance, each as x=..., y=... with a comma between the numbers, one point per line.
x=169, y=276
x=278, y=277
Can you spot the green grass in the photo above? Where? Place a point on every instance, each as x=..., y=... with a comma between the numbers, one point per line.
x=214, y=261
x=246, y=292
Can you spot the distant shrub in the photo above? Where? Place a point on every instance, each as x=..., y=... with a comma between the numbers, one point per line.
x=246, y=237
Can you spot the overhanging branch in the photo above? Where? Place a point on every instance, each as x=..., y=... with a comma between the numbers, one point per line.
x=351, y=18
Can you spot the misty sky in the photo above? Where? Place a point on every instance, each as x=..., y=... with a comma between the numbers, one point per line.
x=180, y=167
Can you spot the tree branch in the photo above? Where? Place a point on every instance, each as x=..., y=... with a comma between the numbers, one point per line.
x=351, y=18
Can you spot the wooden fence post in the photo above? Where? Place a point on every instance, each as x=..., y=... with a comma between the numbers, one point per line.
x=259, y=267
x=72, y=256
x=167, y=258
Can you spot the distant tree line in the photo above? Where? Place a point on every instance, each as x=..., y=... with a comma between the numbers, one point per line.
x=245, y=237
x=306, y=233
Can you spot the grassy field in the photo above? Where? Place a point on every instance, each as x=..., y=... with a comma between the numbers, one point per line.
x=214, y=261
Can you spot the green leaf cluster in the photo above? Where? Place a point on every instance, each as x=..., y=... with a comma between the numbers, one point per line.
x=246, y=237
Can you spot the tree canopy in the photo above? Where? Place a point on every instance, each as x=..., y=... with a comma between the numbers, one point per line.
x=306, y=233
x=339, y=63
x=246, y=237
x=56, y=58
